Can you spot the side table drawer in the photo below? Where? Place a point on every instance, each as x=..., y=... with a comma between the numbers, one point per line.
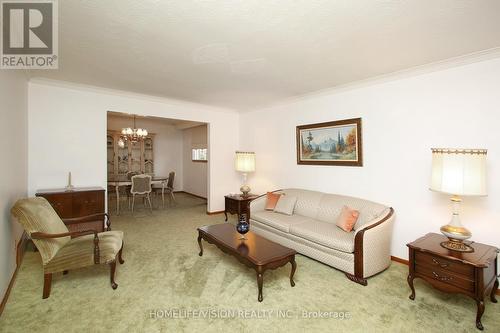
x=443, y=264
x=445, y=277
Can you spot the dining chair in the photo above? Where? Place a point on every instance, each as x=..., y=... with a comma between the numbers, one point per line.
x=127, y=188
x=141, y=185
x=170, y=186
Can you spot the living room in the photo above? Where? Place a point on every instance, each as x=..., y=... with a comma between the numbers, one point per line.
x=266, y=78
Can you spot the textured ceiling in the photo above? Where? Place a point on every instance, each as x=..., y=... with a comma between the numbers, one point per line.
x=245, y=54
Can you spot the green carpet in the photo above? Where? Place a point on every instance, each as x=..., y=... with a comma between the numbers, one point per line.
x=164, y=276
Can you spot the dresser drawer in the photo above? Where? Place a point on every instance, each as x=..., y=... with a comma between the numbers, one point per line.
x=444, y=276
x=88, y=203
x=433, y=262
x=60, y=203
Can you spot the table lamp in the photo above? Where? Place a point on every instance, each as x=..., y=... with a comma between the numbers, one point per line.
x=459, y=172
x=245, y=163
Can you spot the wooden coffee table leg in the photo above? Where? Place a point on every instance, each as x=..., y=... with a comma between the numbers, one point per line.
x=199, y=243
x=260, y=282
x=294, y=267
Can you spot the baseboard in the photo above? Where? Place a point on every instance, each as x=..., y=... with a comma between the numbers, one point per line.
x=191, y=194
x=406, y=262
x=215, y=213
x=20, y=250
x=400, y=260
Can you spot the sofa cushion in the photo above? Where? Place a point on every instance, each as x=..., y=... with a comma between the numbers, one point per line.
x=331, y=206
x=279, y=221
x=79, y=252
x=285, y=205
x=307, y=201
x=326, y=234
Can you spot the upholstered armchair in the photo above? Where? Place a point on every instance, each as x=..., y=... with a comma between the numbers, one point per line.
x=63, y=250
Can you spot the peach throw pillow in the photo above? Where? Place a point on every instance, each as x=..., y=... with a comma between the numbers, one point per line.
x=272, y=200
x=347, y=218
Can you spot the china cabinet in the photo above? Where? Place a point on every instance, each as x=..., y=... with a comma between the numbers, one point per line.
x=132, y=157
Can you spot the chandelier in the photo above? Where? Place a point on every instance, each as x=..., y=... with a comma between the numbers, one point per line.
x=132, y=134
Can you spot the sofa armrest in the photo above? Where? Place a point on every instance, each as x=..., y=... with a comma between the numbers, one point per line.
x=372, y=246
x=258, y=204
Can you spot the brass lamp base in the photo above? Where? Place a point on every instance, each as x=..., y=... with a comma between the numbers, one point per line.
x=456, y=233
x=245, y=190
x=456, y=245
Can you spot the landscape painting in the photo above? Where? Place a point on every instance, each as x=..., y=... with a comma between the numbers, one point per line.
x=332, y=143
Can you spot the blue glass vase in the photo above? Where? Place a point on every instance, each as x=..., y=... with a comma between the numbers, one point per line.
x=243, y=226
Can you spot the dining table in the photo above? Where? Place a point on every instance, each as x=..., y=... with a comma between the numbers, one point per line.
x=124, y=181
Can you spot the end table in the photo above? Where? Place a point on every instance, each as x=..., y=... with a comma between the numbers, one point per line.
x=472, y=274
x=238, y=204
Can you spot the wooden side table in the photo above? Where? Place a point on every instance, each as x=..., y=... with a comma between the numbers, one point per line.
x=238, y=204
x=472, y=274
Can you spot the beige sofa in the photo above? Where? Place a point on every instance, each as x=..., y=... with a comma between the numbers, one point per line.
x=311, y=230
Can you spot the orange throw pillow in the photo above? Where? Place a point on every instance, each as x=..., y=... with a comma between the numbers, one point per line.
x=272, y=200
x=347, y=218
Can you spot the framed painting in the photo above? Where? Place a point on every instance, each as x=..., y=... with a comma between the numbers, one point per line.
x=332, y=143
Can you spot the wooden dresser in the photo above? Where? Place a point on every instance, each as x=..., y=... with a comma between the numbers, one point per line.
x=82, y=201
x=472, y=274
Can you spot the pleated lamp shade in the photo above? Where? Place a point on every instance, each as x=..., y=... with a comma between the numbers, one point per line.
x=245, y=161
x=459, y=172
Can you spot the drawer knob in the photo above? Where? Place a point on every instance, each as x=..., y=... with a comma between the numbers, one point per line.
x=442, y=278
x=441, y=264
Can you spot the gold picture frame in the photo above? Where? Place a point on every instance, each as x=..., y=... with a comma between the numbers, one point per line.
x=330, y=143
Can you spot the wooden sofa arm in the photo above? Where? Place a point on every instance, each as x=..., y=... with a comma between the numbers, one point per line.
x=73, y=234
x=91, y=218
x=359, y=274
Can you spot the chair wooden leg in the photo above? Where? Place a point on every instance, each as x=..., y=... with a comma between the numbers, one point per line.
x=112, y=265
x=47, y=283
x=133, y=202
x=120, y=259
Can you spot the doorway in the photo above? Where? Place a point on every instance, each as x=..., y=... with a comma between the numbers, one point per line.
x=172, y=148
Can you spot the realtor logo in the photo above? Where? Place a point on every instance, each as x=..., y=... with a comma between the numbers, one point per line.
x=29, y=34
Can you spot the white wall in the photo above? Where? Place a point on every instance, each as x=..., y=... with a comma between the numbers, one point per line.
x=402, y=120
x=195, y=173
x=167, y=147
x=14, y=166
x=67, y=132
